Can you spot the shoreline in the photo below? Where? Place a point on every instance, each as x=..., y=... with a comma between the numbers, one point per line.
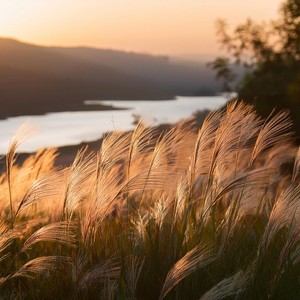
x=53, y=108
x=66, y=154
x=98, y=107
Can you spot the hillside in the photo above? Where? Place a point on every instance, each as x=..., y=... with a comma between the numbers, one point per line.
x=36, y=79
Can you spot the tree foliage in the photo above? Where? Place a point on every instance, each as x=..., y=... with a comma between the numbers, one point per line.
x=221, y=66
x=270, y=53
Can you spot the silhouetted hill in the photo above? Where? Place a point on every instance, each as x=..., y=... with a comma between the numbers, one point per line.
x=35, y=79
x=181, y=77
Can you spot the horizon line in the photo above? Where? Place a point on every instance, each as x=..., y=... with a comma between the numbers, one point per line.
x=187, y=56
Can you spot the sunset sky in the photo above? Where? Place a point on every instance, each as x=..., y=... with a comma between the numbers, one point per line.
x=172, y=27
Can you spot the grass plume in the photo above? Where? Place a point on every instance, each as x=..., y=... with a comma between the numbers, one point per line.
x=209, y=212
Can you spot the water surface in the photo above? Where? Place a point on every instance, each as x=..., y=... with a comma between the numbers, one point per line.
x=70, y=128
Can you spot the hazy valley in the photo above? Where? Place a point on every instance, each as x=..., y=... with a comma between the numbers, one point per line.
x=36, y=79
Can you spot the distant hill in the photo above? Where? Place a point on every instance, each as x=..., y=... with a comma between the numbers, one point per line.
x=36, y=79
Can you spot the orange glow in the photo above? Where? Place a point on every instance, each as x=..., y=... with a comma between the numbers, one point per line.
x=173, y=27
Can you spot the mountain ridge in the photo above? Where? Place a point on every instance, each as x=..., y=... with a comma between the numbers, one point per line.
x=38, y=79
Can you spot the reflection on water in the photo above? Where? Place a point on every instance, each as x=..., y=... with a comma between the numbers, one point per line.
x=70, y=128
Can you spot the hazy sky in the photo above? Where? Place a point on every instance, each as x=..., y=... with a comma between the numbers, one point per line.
x=175, y=27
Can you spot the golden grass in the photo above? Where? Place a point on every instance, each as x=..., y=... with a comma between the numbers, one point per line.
x=208, y=213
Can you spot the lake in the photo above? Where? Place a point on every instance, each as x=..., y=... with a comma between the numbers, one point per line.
x=71, y=128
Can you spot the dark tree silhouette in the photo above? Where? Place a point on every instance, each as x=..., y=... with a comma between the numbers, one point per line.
x=270, y=53
x=221, y=66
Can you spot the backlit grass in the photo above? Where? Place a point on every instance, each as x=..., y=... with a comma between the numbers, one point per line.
x=209, y=213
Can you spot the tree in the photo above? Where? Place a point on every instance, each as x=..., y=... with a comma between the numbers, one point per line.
x=221, y=66
x=270, y=53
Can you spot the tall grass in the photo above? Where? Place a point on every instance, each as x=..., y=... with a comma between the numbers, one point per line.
x=190, y=213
